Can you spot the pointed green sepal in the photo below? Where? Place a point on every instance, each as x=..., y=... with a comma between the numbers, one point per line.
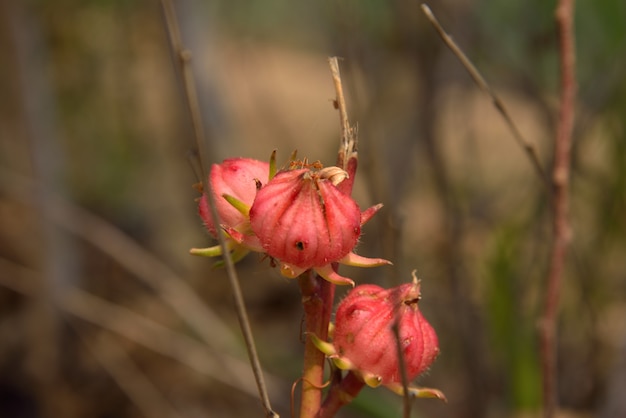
x=237, y=204
x=325, y=347
x=352, y=259
x=331, y=330
x=371, y=379
x=417, y=392
x=342, y=363
x=236, y=255
x=207, y=252
x=272, y=165
x=329, y=274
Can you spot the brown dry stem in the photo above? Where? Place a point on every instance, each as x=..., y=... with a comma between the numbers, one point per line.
x=182, y=57
x=528, y=147
x=560, y=183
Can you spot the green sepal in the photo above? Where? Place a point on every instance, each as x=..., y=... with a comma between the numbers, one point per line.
x=272, y=165
x=325, y=347
x=355, y=260
x=417, y=392
x=371, y=380
x=342, y=363
x=236, y=255
x=237, y=204
x=214, y=251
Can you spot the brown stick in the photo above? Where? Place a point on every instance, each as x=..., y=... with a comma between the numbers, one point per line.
x=528, y=147
x=560, y=182
x=348, y=143
x=318, y=294
x=183, y=57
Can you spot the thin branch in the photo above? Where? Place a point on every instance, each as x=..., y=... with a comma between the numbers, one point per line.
x=347, y=156
x=528, y=147
x=404, y=379
x=183, y=59
x=348, y=144
x=318, y=294
x=560, y=177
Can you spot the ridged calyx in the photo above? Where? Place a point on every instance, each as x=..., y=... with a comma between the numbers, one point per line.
x=237, y=178
x=363, y=340
x=234, y=183
x=304, y=221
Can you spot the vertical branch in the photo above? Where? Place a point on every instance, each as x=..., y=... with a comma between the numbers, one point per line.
x=318, y=294
x=317, y=300
x=560, y=178
x=347, y=157
x=183, y=58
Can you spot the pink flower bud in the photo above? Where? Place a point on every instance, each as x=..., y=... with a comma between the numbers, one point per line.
x=299, y=218
x=364, y=341
x=234, y=177
x=302, y=219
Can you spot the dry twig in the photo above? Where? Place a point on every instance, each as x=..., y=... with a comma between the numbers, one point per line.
x=182, y=58
x=560, y=183
x=528, y=147
x=348, y=143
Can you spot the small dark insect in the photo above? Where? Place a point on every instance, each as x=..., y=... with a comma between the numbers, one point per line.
x=412, y=301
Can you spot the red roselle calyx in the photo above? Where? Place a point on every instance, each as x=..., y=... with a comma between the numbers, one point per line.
x=235, y=177
x=364, y=342
x=234, y=183
x=304, y=221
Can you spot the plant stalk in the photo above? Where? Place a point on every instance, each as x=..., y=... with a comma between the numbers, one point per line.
x=317, y=300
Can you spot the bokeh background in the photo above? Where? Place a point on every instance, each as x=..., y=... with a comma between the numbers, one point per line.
x=104, y=314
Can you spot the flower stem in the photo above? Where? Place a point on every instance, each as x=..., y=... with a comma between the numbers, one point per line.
x=341, y=394
x=317, y=301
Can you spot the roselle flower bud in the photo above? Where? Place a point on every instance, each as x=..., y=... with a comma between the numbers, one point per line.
x=363, y=333
x=234, y=183
x=234, y=177
x=302, y=220
x=364, y=342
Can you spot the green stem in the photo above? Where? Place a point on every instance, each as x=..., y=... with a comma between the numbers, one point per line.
x=317, y=300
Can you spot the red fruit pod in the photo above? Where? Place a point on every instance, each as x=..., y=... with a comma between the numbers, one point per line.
x=235, y=177
x=363, y=336
x=303, y=220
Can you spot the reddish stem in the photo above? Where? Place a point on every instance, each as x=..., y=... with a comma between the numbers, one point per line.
x=561, y=227
x=317, y=294
x=317, y=300
x=340, y=395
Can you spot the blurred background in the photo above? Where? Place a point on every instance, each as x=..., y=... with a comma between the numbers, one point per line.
x=103, y=313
